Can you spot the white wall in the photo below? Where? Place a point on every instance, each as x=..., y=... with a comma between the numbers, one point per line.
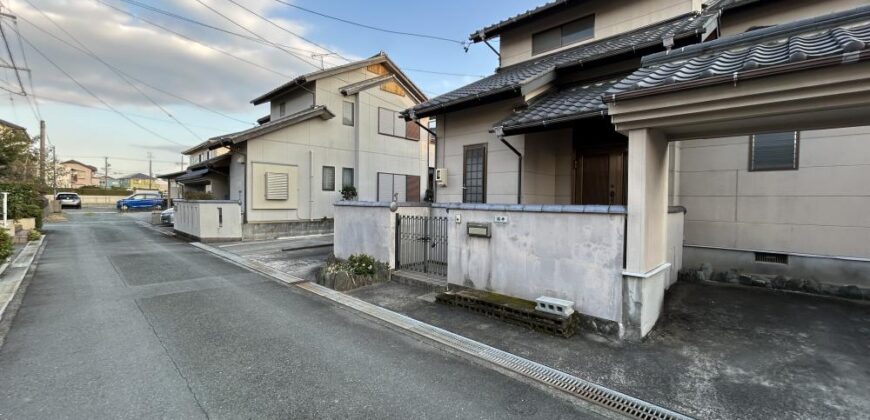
x=293, y=102
x=820, y=208
x=209, y=220
x=573, y=256
x=369, y=228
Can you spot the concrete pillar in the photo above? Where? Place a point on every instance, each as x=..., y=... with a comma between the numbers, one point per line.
x=646, y=267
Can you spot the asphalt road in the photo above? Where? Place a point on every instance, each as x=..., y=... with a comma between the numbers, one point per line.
x=122, y=322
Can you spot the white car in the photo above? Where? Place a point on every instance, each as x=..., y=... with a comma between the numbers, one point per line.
x=68, y=199
x=167, y=217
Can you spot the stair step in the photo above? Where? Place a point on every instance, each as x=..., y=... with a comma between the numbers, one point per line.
x=411, y=278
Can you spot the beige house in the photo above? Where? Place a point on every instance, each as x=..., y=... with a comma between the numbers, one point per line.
x=331, y=130
x=612, y=130
x=77, y=174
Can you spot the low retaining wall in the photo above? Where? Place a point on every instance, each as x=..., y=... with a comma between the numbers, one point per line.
x=274, y=230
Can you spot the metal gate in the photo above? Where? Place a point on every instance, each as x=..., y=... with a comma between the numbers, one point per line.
x=421, y=244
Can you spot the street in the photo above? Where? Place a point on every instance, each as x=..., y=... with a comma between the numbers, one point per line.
x=122, y=322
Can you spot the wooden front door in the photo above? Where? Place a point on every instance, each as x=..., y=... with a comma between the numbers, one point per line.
x=600, y=177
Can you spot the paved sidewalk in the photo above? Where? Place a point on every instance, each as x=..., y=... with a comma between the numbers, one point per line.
x=300, y=256
x=720, y=352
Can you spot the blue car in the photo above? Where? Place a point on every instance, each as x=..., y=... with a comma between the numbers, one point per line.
x=140, y=201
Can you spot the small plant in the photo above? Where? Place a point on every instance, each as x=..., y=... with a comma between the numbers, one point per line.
x=5, y=245
x=348, y=193
x=362, y=265
x=429, y=197
x=34, y=235
x=198, y=195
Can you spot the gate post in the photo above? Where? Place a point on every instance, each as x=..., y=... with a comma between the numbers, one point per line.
x=398, y=240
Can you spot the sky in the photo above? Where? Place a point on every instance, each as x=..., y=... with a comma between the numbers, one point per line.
x=150, y=91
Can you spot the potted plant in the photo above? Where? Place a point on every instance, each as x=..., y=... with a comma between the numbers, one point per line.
x=348, y=193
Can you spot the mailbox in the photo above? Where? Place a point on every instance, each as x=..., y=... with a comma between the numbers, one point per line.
x=480, y=230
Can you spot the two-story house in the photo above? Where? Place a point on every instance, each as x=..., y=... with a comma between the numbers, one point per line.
x=328, y=132
x=78, y=174
x=555, y=174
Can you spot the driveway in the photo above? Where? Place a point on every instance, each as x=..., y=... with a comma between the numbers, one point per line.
x=122, y=322
x=719, y=351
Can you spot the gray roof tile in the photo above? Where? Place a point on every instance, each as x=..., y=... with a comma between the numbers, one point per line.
x=563, y=104
x=777, y=45
x=513, y=77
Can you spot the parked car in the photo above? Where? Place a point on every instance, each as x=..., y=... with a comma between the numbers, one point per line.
x=140, y=201
x=68, y=199
x=167, y=217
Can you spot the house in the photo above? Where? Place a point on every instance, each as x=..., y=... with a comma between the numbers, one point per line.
x=613, y=130
x=77, y=174
x=140, y=181
x=329, y=131
x=108, y=181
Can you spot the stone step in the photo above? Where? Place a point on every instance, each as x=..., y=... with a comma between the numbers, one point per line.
x=413, y=278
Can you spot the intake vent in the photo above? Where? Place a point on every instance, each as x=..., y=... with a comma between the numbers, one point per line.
x=768, y=257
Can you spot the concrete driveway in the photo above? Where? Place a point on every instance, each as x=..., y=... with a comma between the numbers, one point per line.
x=122, y=322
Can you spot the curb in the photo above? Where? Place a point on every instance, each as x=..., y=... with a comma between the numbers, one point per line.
x=15, y=272
x=591, y=396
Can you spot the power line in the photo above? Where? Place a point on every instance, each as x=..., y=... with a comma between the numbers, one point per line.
x=193, y=40
x=114, y=69
x=374, y=28
x=11, y=57
x=444, y=73
x=97, y=97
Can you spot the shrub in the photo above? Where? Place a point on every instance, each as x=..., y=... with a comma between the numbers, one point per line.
x=198, y=195
x=348, y=193
x=34, y=235
x=362, y=264
x=24, y=201
x=5, y=245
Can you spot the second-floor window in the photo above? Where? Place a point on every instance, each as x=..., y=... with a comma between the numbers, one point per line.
x=562, y=35
x=390, y=124
x=282, y=109
x=347, y=113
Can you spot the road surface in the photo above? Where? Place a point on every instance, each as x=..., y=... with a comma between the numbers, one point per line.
x=122, y=322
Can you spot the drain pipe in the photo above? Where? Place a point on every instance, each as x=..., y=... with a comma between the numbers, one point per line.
x=499, y=132
x=416, y=120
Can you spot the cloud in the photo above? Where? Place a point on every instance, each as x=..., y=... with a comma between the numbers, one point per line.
x=160, y=58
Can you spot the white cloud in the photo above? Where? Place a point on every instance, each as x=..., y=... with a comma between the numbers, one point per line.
x=158, y=57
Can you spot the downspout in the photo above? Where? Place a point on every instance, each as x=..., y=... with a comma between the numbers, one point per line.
x=416, y=120
x=499, y=132
x=310, y=185
x=356, y=132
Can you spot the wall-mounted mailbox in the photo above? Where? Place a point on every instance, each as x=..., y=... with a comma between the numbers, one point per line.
x=480, y=230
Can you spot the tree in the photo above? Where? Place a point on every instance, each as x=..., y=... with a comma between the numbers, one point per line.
x=18, y=159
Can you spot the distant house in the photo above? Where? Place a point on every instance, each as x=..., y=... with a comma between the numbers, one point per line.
x=140, y=181
x=77, y=174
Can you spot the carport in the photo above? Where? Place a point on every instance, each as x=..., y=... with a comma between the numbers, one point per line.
x=810, y=74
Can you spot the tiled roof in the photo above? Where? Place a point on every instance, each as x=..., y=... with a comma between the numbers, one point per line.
x=566, y=104
x=498, y=27
x=827, y=36
x=512, y=78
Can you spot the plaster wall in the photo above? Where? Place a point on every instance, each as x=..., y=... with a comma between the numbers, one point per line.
x=573, y=256
x=209, y=220
x=779, y=12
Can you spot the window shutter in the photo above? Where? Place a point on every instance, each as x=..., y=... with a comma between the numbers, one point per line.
x=412, y=130
x=774, y=151
x=277, y=186
x=328, y=180
x=578, y=30
x=546, y=40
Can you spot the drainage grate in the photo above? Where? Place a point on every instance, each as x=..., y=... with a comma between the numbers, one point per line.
x=588, y=391
x=769, y=257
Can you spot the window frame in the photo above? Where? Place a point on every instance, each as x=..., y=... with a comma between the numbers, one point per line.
x=484, y=177
x=404, y=130
x=797, y=153
x=561, y=30
x=323, y=178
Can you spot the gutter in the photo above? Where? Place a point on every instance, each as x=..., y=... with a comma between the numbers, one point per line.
x=500, y=134
x=520, y=129
x=845, y=58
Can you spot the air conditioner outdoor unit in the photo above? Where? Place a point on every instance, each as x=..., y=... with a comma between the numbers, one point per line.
x=441, y=176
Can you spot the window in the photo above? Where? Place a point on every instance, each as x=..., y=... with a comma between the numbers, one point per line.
x=567, y=34
x=347, y=118
x=390, y=124
x=346, y=177
x=773, y=151
x=404, y=188
x=282, y=109
x=474, y=174
x=277, y=186
x=328, y=179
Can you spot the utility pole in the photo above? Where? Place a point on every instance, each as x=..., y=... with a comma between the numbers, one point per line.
x=150, y=174
x=106, y=172
x=54, y=169
x=42, y=151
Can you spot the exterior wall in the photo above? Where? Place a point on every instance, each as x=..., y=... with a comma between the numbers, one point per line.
x=218, y=186
x=208, y=220
x=369, y=228
x=563, y=254
x=818, y=209
x=84, y=176
x=236, y=181
x=547, y=167
x=782, y=11
x=294, y=102
x=611, y=18
x=459, y=129
x=676, y=230
x=313, y=144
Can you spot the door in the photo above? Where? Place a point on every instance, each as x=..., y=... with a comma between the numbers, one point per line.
x=474, y=174
x=600, y=177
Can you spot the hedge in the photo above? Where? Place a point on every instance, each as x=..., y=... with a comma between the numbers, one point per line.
x=24, y=201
